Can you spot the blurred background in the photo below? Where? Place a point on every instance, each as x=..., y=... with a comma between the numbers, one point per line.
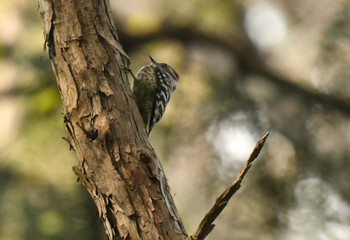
x=246, y=67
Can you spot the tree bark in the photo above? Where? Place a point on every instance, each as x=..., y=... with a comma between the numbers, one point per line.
x=116, y=163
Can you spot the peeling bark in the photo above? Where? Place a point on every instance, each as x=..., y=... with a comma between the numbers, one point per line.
x=117, y=165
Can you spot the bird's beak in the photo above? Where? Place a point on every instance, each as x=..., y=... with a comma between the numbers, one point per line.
x=152, y=60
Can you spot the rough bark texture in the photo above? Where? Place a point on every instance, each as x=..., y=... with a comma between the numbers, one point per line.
x=117, y=165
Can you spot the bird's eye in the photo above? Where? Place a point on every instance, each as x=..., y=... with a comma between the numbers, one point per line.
x=164, y=65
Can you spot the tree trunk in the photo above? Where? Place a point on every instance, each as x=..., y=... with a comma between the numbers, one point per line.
x=116, y=163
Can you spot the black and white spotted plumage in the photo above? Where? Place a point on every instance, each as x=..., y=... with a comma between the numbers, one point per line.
x=152, y=90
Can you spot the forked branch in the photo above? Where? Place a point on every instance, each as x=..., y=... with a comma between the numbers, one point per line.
x=206, y=225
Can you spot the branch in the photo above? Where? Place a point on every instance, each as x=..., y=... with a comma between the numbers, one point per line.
x=248, y=60
x=116, y=163
x=206, y=226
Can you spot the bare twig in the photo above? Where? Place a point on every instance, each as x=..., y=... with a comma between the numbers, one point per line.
x=206, y=226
